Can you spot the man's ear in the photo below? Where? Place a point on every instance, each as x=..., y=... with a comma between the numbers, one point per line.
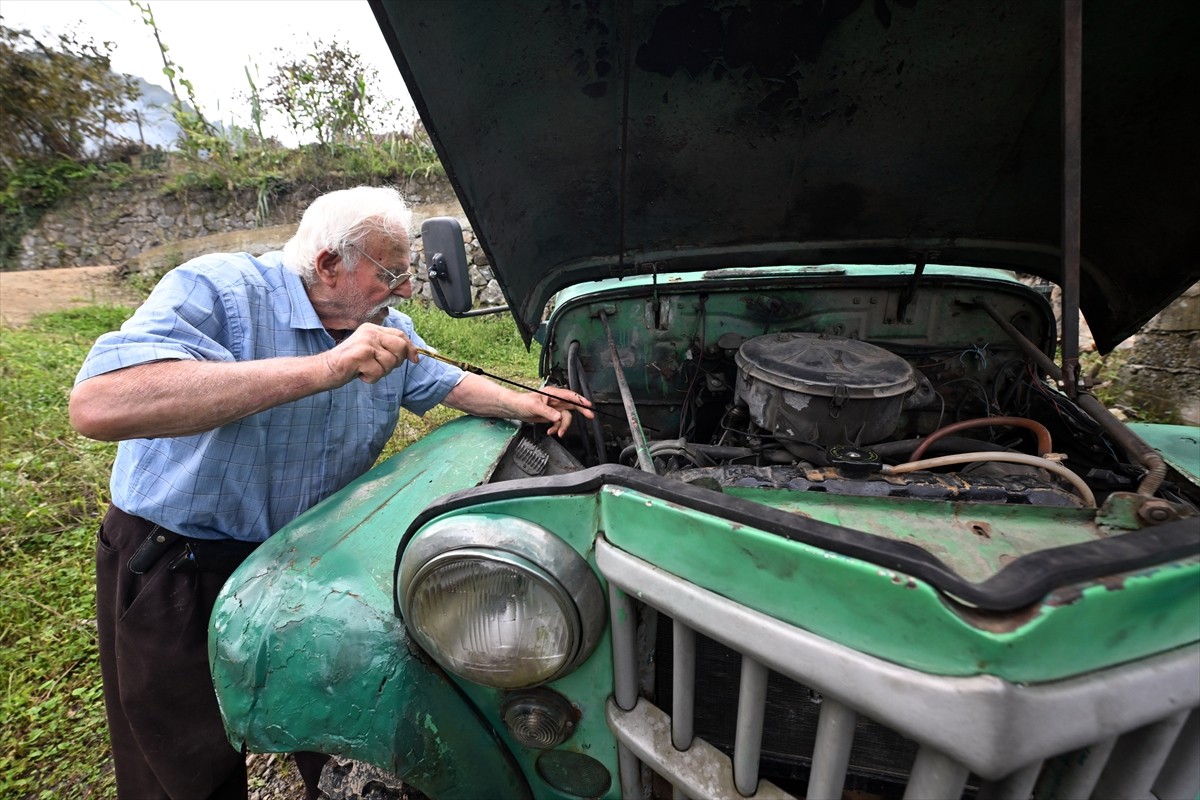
x=327, y=266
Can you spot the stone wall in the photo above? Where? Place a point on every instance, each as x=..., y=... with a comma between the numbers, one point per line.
x=144, y=230
x=116, y=225
x=1160, y=371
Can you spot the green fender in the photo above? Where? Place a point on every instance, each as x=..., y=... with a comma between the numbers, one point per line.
x=307, y=653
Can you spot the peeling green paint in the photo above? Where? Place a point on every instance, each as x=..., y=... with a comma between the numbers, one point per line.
x=574, y=519
x=1178, y=444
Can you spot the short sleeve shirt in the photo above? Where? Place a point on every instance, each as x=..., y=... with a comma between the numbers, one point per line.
x=248, y=479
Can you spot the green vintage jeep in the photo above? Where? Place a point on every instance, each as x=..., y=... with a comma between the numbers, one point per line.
x=845, y=527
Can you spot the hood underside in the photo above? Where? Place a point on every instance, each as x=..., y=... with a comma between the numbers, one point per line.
x=600, y=138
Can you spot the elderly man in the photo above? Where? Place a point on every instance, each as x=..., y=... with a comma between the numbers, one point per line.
x=243, y=392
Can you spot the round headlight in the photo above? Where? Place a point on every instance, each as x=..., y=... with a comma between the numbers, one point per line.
x=495, y=620
x=499, y=601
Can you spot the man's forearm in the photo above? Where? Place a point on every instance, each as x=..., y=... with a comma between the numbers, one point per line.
x=483, y=398
x=178, y=398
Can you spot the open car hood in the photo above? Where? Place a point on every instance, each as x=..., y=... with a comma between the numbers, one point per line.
x=599, y=138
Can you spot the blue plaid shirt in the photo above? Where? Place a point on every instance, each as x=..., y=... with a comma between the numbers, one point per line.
x=248, y=479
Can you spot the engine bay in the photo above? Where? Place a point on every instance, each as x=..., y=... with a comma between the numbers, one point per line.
x=831, y=380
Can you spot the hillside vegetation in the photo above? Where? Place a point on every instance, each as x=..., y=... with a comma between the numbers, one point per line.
x=66, y=120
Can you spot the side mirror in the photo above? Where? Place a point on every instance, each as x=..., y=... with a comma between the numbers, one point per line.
x=446, y=259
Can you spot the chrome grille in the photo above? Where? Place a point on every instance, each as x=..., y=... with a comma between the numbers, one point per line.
x=1124, y=732
x=876, y=757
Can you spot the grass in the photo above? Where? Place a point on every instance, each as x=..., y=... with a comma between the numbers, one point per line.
x=53, y=489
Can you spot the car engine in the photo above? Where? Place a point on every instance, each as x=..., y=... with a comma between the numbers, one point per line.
x=877, y=387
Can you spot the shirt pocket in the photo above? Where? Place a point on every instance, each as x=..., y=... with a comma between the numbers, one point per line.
x=372, y=416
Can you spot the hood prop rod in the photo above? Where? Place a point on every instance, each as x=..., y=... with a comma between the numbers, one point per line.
x=1072, y=128
x=1144, y=454
x=645, y=460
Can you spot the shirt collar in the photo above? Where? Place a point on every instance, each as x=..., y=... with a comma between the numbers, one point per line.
x=303, y=315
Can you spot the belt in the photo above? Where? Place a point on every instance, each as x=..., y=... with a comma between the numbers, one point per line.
x=198, y=555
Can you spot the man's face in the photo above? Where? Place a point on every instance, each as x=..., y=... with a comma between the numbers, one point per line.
x=380, y=278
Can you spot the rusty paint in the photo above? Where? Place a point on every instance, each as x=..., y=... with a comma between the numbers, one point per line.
x=1066, y=596
x=996, y=622
x=1113, y=583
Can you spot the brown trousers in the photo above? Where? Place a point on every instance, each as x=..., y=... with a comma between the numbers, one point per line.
x=167, y=737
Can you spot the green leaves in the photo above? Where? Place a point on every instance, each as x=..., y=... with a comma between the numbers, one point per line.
x=61, y=102
x=326, y=93
x=54, y=95
x=58, y=96
x=199, y=137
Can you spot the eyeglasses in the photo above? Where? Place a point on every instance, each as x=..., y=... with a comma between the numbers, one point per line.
x=394, y=279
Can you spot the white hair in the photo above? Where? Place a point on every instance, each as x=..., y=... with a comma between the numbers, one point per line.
x=337, y=220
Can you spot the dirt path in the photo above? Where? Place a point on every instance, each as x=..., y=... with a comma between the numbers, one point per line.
x=26, y=293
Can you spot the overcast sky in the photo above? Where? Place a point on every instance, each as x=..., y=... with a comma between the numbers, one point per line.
x=215, y=40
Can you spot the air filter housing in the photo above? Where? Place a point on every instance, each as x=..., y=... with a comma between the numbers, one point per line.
x=808, y=388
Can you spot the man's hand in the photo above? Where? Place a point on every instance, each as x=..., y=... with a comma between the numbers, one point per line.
x=369, y=354
x=563, y=405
